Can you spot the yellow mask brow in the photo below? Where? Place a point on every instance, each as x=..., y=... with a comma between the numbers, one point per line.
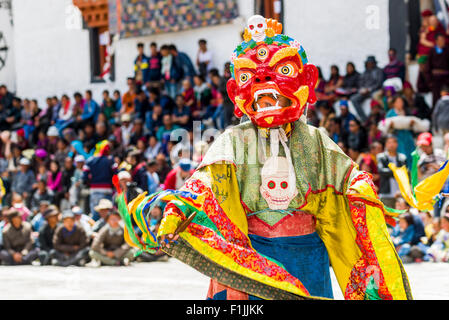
x=244, y=63
x=283, y=53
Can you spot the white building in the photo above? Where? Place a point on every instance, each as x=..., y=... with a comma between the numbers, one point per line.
x=52, y=50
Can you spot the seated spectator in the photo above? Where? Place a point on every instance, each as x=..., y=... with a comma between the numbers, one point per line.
x=70, y=243
x=431, y=158
x=345, y=115
x=152, y=176
x=46, y=233
x=418, y=106
x=402, y=236
x=439, y=251
x=404, y=136
x=84, y=221
x=38, y=218
x=153, y=119
x=76, y=180
x=203, y=97
x=370, y=81
x=109, y=246
x=103, y=208
x=167, y=128
x=154, y=147
x=357, y=138
x=181, y=114
x=350, y=84
x=189, y=96
x=335, y=81
x=129, y=97
x=24, y=179
x=41, y=194
x=388, y=186
x=138, y=169
x=18, y=246
x=179, y=175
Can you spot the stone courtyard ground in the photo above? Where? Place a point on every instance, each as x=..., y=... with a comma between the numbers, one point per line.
x=170, y=280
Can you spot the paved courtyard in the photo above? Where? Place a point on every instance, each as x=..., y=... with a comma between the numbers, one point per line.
x=161, y=280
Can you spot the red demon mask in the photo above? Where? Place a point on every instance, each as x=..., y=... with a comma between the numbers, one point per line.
x=271, y=84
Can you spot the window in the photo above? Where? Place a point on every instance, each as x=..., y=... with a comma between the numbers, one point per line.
x=270, y=9
x=96, y=18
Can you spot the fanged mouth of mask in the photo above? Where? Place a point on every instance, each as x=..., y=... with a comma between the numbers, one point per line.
x=269, y=100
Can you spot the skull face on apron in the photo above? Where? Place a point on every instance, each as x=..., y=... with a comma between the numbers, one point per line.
x=278, y=186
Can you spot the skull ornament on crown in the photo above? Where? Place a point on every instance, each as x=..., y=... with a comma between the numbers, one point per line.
x=271, y=80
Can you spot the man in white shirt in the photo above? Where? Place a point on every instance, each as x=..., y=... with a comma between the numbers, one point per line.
x=204, y=58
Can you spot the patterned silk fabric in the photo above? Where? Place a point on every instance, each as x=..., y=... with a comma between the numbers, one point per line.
x=224, y=192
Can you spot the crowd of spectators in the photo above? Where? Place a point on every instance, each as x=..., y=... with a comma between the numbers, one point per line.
x=57, y=161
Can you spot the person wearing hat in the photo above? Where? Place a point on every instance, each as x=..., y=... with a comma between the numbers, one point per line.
x=179, y=175
x=126, y=129
x=109, y=246
x=24, y=179
x=38, y=219
x=18, y=244
x=70, y=243
x=46, y=233
x=84, y=221
x=370, y=81
x=431, y=158
x=103, y=208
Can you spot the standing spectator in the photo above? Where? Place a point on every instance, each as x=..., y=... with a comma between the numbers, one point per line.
x=388, y=185
x=370, y=81
x=204, y=58
x=70, y=243
x=440, y=116
x=98, y=173
x=46, y=234
x=17, y=241
x=438, y=66
x=171, y=72
x=154, y=70
x=109, y=246
x=395, y=68
x=141, y=66
x=184, y=61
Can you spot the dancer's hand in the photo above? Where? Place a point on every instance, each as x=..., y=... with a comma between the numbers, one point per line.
x=166, y=239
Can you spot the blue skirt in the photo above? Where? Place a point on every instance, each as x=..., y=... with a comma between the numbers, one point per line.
x=304, y=257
